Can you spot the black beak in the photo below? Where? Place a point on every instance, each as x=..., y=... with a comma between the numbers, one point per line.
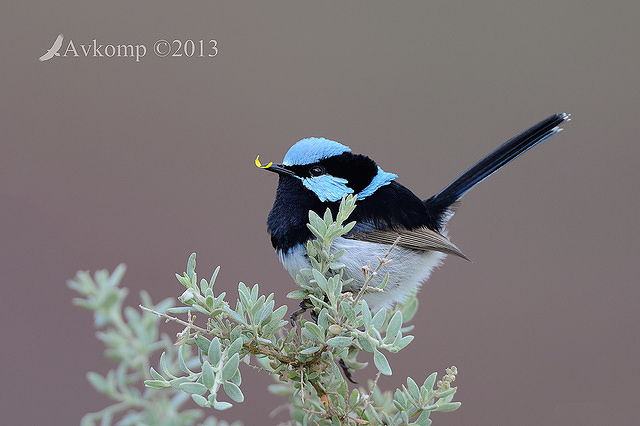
x=278, y=168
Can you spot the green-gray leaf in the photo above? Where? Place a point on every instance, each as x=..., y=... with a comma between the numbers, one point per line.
x=164, y=368
x=339, y=341
x=430, y=381
x=414, y=390
x=236, y=346
x=230, y=368
x=365, y=344
x=207, y=375
x=200, y=400
x=98, y=382
x=154, y=374
x=448, y=406
x=366, y=315
x=193, y=388
x=402, y=342
x=297, y=294
x=314, y=331
x=154, y=384
x=203, y=343
x=381, y=362
x=221, y=405
x=394, y=327
x=233, y=391
x=321, y=281
x=378, y=319
x=214, y=351
x=424, y=419
x=191, y=269
x=310, y=351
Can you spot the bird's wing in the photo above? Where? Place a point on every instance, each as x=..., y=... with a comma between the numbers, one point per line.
x=46, y=56
x=418, y=239
x=58, y=43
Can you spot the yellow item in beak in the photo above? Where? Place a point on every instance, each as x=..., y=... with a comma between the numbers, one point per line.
x=261, y=166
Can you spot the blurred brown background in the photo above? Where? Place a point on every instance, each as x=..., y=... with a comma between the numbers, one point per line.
x=105, y=160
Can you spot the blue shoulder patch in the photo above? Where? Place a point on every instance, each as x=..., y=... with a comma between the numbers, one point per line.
x=381, y=178
x=312, y=150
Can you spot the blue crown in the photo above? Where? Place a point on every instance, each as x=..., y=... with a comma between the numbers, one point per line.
x=312, y=150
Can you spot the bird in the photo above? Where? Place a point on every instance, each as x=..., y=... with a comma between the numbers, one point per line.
x=316, y=173
x=57, y=44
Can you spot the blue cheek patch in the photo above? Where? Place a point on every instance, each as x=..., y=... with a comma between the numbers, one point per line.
x=331, y=188
x=381, y=179
x=327, y=187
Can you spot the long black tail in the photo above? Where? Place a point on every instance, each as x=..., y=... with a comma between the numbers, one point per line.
x=440, y=203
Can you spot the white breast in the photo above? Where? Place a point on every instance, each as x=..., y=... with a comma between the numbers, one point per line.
x=407, y=270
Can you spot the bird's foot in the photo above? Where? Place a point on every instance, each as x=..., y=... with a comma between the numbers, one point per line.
x=304, y=305
x=346, y=371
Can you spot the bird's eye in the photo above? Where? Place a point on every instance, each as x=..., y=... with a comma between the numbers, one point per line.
x=316, y=171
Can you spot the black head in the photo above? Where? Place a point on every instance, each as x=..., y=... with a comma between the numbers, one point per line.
x=329, y=170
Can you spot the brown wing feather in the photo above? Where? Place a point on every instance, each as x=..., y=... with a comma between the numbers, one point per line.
x=417, y=239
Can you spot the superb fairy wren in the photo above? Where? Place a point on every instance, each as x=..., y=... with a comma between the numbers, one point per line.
x=316, y=173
